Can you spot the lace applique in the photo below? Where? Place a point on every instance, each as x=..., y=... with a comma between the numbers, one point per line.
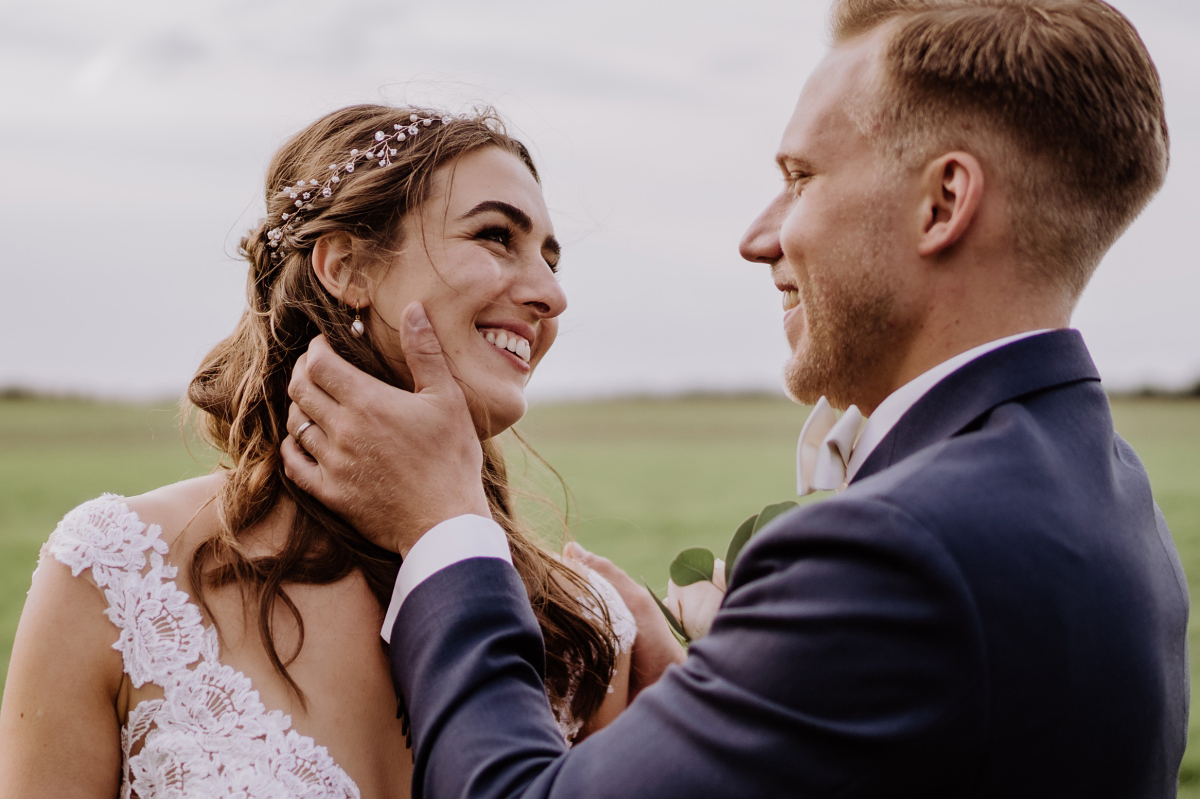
x=624, y=630
x=210, y=735
x=624, y=627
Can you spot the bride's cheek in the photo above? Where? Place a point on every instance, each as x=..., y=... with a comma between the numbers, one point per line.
x=550, y=334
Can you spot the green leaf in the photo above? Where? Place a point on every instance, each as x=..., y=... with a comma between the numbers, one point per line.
x=747, y=530
x=692, y=565
x=739, y=540
x=676, y=627
x=768, y=514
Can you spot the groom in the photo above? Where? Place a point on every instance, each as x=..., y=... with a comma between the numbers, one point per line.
x=994, y=606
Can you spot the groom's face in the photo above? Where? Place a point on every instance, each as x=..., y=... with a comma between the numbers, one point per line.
x=835, y=238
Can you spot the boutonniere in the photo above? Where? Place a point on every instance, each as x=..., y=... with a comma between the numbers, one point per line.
x=698, y=578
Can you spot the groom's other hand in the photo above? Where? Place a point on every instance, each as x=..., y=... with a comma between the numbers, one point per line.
x=393, y=463
x=655, y=647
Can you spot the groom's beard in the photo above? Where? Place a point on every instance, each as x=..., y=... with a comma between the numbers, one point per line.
x=846, y=350
x=854, y=333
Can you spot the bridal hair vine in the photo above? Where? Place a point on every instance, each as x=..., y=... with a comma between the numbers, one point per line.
x=379, y=153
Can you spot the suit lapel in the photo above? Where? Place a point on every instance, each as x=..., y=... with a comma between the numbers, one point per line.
x=1023, y=367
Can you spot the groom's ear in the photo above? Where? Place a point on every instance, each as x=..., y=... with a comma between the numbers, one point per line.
x=333, y=264
x=951, y=194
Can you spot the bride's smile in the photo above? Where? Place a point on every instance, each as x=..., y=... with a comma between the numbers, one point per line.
x=507, y=340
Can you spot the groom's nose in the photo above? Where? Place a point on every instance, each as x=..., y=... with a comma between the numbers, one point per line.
x=760, y=244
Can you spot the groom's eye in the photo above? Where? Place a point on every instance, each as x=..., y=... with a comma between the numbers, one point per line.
x=796, y=180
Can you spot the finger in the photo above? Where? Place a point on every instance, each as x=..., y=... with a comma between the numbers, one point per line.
x=312, y=400
x=574, y=551
x=423, y=352
x=307, y=433
x=299, y=467
x=331, y=373
x=606, y=568
x=296, y=417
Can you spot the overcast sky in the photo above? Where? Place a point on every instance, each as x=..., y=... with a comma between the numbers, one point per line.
x=134, y=135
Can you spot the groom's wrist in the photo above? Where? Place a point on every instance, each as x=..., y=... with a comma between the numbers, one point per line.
x=445, y=544
x=470, y=501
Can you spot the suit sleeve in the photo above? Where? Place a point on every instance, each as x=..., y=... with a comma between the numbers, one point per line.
x=839, y=664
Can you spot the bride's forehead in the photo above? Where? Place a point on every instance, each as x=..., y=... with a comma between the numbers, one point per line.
x=490, y=174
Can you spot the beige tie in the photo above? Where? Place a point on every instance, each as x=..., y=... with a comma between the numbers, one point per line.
x=825, y=446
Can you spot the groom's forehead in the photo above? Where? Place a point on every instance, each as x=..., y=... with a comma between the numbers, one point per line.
x=845, y=78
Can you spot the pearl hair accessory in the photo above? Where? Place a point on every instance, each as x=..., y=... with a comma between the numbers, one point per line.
x=380, y=152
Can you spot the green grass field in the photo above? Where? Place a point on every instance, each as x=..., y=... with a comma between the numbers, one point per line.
x=646, y=477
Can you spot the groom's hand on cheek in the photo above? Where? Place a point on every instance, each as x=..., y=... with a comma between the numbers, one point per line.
x=393, y=463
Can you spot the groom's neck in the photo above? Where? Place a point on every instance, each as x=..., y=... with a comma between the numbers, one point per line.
x=962, y=315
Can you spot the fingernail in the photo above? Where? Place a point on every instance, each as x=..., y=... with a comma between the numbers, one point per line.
x=416, y=316
x=574, y=551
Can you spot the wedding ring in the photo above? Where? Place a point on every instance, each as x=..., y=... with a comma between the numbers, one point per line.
x=300, y=431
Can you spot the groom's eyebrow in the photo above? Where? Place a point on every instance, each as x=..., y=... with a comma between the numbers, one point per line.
x=790, y=163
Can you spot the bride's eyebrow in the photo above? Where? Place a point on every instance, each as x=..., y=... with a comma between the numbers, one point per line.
x=515, y=215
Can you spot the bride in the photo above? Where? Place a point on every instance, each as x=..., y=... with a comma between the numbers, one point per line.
x=221, y=636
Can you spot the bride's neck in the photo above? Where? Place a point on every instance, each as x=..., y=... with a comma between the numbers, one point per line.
x=269, y=535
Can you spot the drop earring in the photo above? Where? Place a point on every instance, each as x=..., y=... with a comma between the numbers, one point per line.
x=357, y=327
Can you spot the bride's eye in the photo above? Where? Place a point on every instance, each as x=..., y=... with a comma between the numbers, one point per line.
x=501, y=235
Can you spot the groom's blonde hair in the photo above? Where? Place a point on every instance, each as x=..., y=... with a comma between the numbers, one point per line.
x=1060, y=96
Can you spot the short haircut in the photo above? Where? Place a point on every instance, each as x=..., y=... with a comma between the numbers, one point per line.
x=1059, y=95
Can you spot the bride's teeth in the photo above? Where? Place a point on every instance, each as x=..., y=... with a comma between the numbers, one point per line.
x=515, y=344
x=791, y=299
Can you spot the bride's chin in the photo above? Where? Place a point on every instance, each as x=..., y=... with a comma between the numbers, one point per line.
x=495, y=416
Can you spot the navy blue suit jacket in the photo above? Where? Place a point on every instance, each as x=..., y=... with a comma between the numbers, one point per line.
x=993, y=608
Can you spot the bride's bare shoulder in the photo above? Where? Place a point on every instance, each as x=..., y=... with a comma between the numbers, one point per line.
x=58, y=720
x=187, y=506
x=111, y=531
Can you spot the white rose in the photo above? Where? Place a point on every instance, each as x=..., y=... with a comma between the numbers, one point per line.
x=694, y=606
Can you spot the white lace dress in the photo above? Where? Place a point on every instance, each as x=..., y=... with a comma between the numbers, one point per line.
x=209, y=735
x=624, y=631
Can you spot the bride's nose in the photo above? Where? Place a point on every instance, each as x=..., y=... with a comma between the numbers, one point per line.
x=540, y=290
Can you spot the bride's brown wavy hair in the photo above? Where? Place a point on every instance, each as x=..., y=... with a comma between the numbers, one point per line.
x=240, y=391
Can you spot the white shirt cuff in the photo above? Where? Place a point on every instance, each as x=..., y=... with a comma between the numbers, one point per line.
x=450, y=542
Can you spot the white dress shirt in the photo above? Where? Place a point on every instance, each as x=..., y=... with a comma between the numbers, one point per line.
x=470, y=536
x=445, y=544
x=896, y=404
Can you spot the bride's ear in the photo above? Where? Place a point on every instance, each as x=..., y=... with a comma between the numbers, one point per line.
x=333, y=263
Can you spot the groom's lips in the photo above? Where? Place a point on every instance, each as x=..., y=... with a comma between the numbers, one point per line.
x=791, y=296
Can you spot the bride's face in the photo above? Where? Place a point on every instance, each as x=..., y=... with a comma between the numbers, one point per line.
x=480, y=255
